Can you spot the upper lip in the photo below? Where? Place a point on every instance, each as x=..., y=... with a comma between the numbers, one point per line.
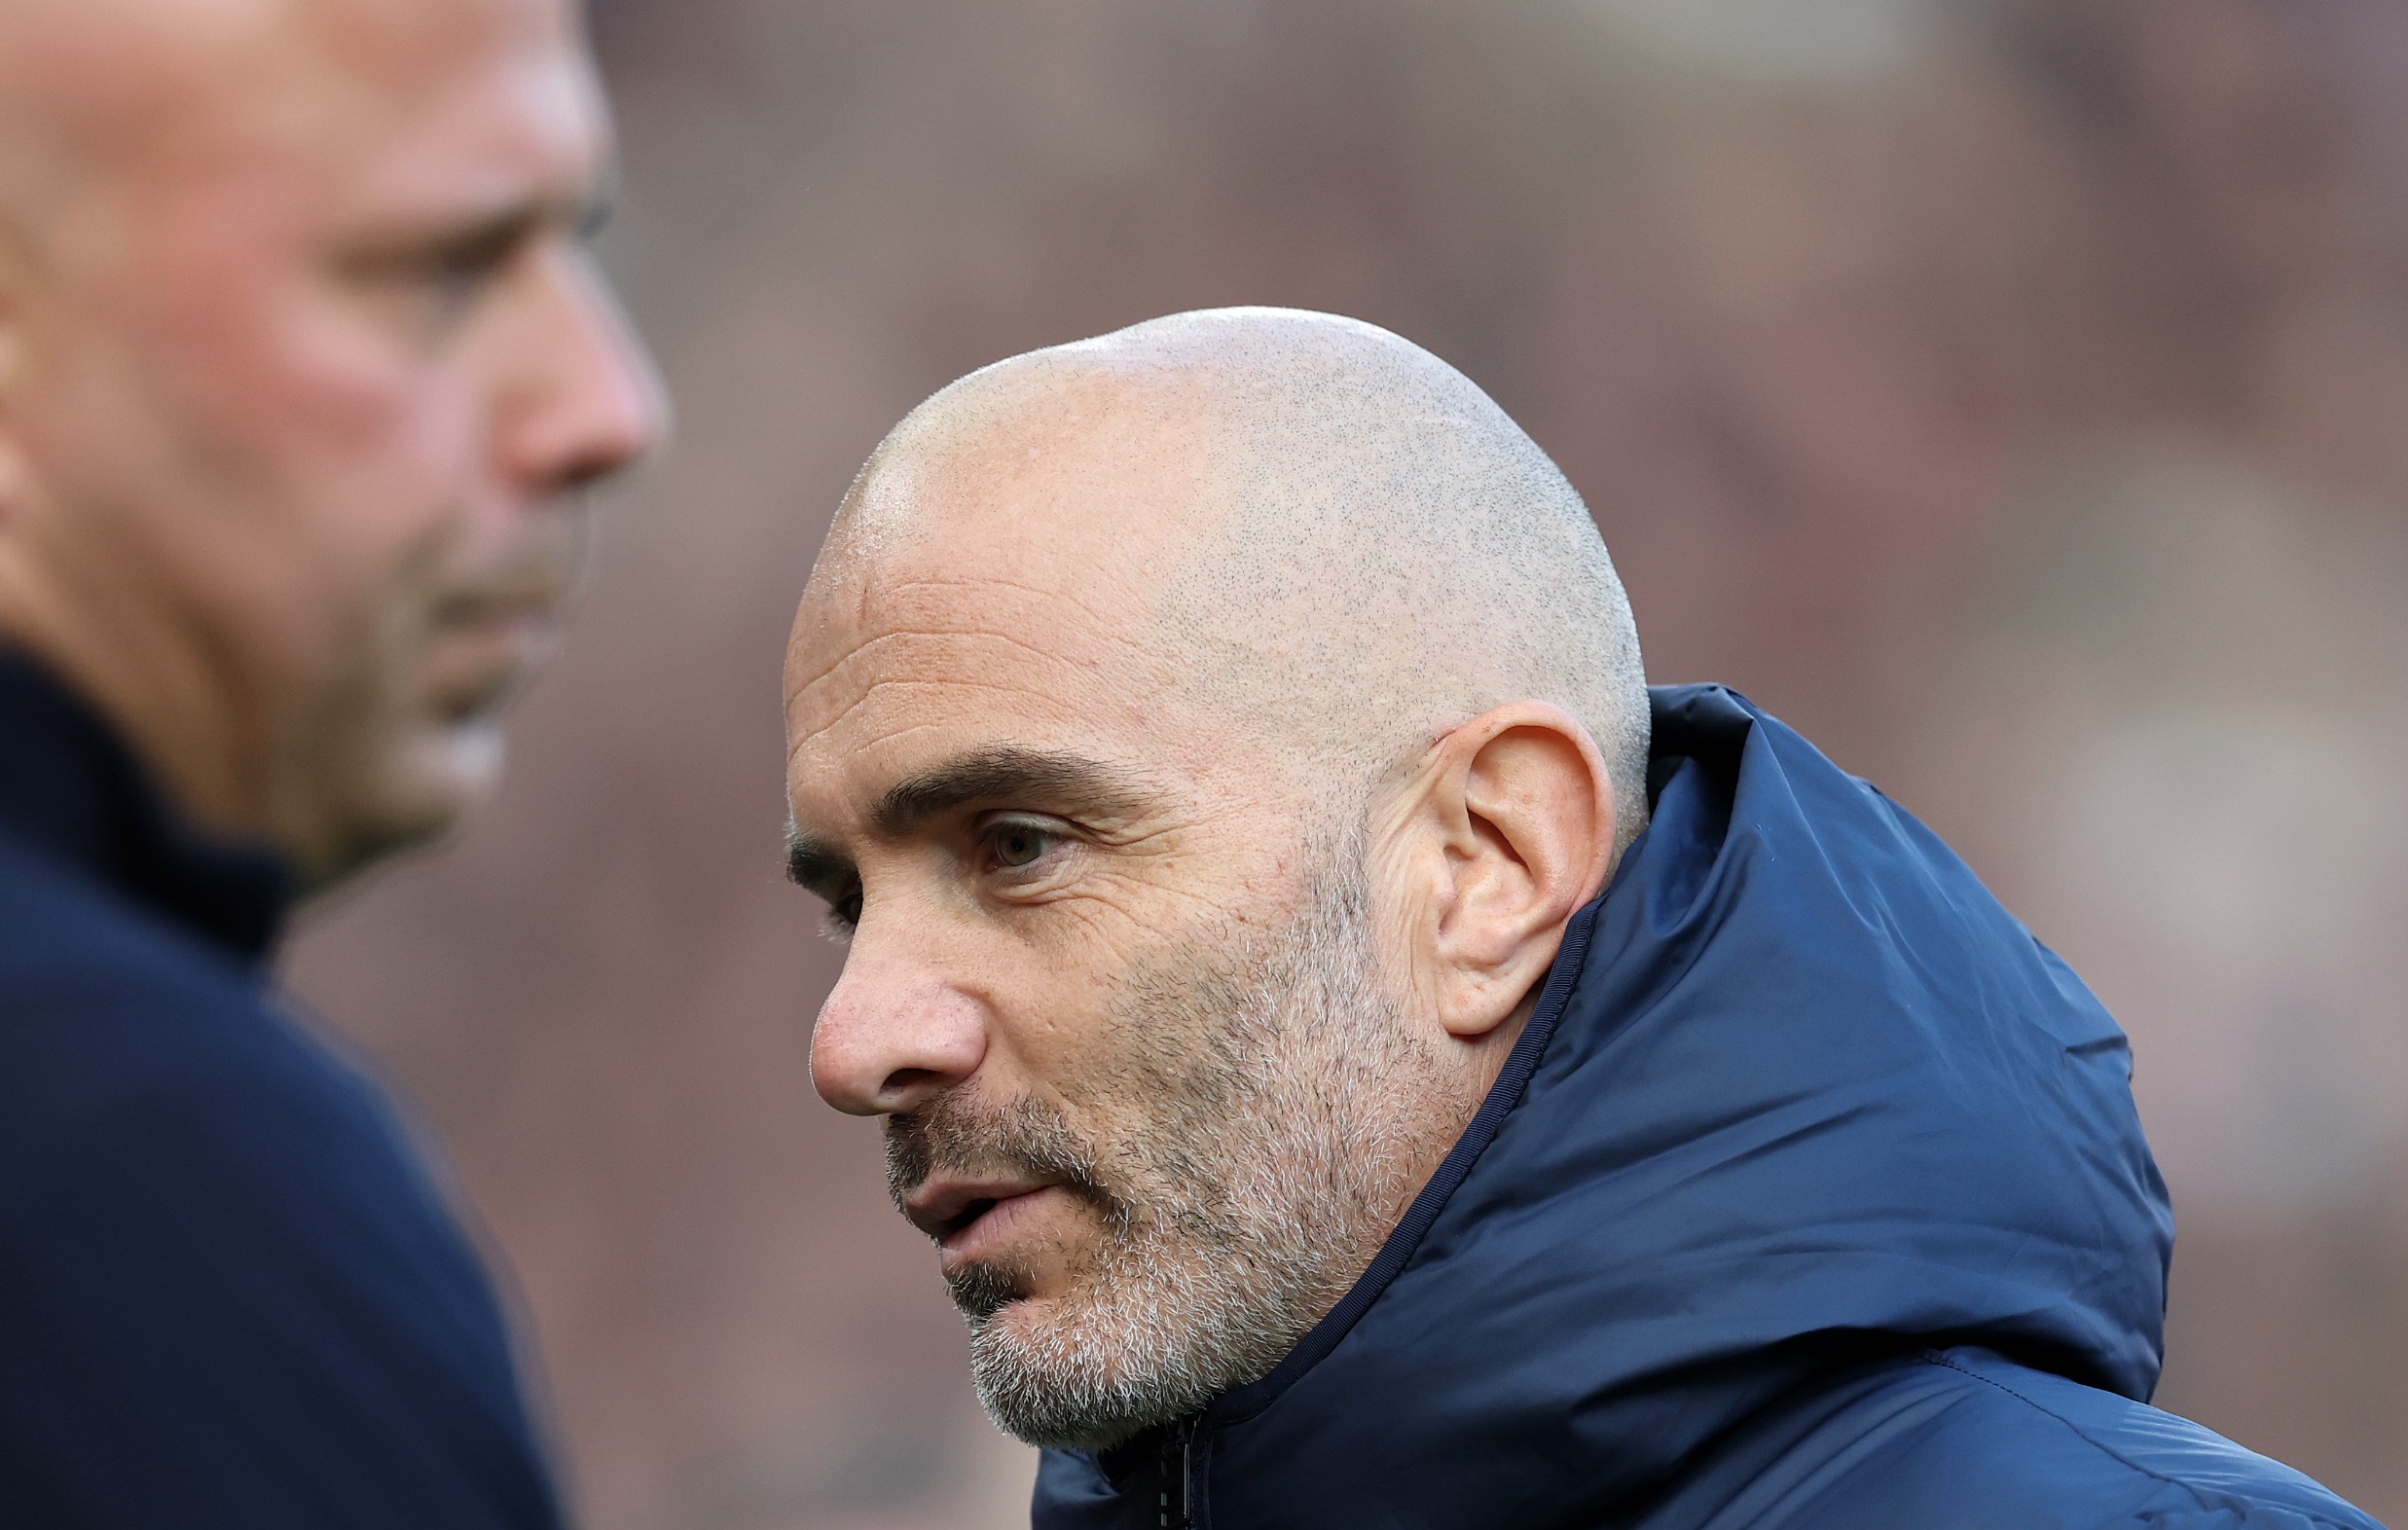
x=943, y=1206
x=515, y=599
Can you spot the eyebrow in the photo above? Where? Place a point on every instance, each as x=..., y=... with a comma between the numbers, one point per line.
x=579, y=209
x=1040, y=778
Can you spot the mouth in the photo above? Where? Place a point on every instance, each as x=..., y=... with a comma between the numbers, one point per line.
x=511, y=624
x=968, y=1217
x=483, y=650
x=533, y=594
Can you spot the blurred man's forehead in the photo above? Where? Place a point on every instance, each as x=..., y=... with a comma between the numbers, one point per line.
x=163, y=88
x=462, y=101
x=533, y=130
x=134, y=65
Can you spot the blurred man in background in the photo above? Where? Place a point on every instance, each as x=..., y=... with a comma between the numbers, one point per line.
x=301, y=367
x=1366, y=1059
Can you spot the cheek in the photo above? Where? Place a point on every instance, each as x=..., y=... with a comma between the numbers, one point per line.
x=1060, y=1017
x=286, y=379
x=343, y=466
x=337, y=421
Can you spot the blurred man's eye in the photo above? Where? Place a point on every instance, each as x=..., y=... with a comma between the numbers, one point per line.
x=455, y=279
x=431, y=289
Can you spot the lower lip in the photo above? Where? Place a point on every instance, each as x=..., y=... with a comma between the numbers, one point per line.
x=1004, y=1221
x=475, y=661
x=523, y=626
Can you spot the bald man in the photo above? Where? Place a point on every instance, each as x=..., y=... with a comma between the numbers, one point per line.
x=301, y=367
x=1365, y=1060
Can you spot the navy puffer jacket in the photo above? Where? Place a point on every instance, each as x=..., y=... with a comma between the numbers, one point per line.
x=1812, y=1197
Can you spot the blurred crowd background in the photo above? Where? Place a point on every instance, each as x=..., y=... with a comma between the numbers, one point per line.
x=2011, y=393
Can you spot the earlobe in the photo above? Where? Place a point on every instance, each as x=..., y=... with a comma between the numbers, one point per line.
x=1530, y=814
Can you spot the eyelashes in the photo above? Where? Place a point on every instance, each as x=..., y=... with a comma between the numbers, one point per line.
x=1011, y=852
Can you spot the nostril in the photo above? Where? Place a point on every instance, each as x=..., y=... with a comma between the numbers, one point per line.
x=904, y=1085
x=887, y=1041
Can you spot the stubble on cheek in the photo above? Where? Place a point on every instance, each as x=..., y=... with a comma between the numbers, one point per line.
x=382, y=748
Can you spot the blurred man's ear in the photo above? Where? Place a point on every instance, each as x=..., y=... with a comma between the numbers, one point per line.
x=1500, y=837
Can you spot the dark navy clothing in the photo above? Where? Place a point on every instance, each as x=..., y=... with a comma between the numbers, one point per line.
x=230, y=1297
x=1812, y=1198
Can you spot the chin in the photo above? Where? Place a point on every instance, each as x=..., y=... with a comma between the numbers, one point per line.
x=416, y=794
x=449, y=772
x=462, y=762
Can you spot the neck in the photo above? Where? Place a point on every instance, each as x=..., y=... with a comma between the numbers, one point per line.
x=162, y=696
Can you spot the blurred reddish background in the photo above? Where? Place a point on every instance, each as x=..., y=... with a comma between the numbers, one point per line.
x=2012, y=395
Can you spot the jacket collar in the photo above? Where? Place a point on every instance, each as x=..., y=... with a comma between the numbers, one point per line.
x=71, y=790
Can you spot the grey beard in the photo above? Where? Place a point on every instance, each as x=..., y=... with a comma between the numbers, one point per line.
x=1286, y=1108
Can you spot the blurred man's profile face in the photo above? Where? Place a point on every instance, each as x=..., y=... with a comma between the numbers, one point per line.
x=311, y=360
x=1111, y=976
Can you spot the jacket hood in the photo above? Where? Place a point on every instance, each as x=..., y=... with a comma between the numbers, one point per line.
x=1798, y=1090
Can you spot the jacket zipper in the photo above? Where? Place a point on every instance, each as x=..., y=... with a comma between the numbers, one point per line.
x=1177, y=1461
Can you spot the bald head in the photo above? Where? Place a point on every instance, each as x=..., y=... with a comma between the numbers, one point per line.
x=1310, y=523
x=1205, y=736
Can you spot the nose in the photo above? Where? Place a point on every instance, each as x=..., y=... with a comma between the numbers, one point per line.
x=588, y=402
x=893, y=1034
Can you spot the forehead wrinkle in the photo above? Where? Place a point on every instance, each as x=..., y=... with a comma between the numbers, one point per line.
x=869, y=593
x=798, y=745
x=803, y=700
x=803, y=777
x=919, y=683
x=1040, y=593
x=868, y=649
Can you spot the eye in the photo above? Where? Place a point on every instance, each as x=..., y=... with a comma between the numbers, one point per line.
x=433, y=286
x=1018, y=845
x=1021, y=846
x=844, y=914
x=455, y=279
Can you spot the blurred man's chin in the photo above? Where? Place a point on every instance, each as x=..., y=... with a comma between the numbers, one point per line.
x=424, y=790
x=447, y=772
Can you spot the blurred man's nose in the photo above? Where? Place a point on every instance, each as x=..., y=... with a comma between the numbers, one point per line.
x=586, y=401
x=893, y=1034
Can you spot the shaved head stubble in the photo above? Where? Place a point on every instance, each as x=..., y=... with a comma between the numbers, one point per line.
x=1375, y=550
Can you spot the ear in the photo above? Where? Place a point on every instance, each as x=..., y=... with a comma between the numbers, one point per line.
x=1504, y=834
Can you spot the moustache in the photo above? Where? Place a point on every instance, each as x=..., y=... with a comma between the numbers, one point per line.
x=1025, y=1136
x=532, y=590
x=532, y=575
